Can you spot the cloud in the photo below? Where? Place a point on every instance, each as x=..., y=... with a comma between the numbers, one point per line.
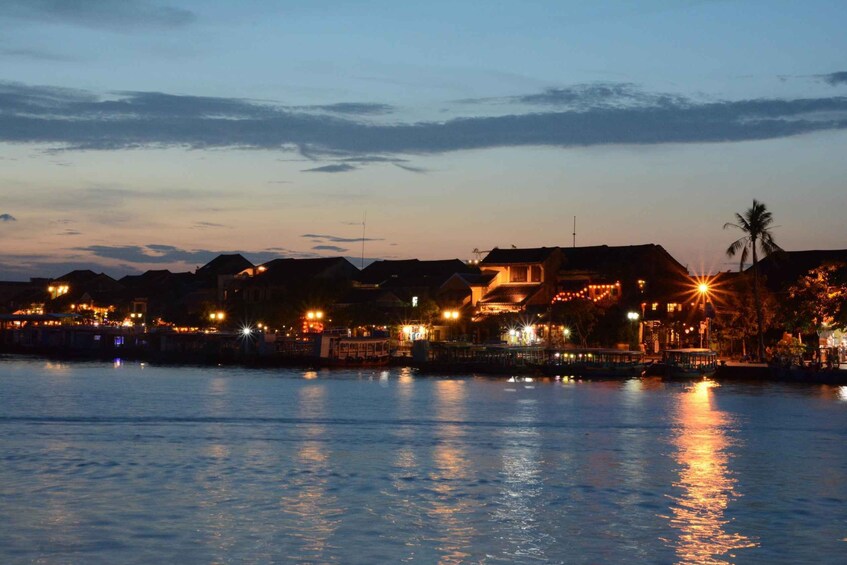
x=109, y=14
x=373, y=159
x=153, y=253
x=355, y=108
x=207, y=225
x=835, y=79
x=584, y=115
x=36, y=55
x=7, y=218
x=334, y=248
x=411, y=169
x=598, y=95
x=337, y=168
x=338, y=239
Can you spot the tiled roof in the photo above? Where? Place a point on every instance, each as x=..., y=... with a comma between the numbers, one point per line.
x=511, y=294
x=225, y=265
x=483, y=278
x=300, y=270
x=506, y=256
x=412, y=272
x=784, y=269
x=374, y=296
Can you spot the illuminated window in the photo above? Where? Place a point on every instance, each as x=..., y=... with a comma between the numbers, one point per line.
x=654, y=306
x=673, y=306
x=535, y=273
x=518, y=273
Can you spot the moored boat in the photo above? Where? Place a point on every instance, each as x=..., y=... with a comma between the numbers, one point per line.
x=689, y=363
x=342, y=351
x=595, y=363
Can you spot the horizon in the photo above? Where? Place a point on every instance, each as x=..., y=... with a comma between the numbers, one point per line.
x=152, y=134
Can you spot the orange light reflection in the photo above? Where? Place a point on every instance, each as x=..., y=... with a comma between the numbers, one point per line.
x=707, y=485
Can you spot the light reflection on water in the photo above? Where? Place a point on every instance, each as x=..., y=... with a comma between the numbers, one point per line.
x=213, y=465
x=518, y=505
x=306, y=499
x=450, y=467
x=703, y=450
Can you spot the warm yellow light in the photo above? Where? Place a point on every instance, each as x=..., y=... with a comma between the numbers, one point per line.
x=319, y=314
x=407, y=330
x=703, y=288
x=446, y=315
x=310, y=315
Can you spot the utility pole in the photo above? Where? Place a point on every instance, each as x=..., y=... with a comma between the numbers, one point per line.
x=364, y=223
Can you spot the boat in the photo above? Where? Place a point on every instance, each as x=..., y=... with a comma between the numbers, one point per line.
x=342, y=351
x=689, y=363
x=595, y=363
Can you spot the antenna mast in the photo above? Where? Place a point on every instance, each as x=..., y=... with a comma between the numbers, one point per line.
x=364, y=224
x=574, y=231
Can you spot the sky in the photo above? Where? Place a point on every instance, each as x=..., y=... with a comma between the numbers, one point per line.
x=153, y=134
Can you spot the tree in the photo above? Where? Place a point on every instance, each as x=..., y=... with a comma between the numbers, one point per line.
x=736, y=320
x=579, y=315
x=818, y=299
x=756, y=224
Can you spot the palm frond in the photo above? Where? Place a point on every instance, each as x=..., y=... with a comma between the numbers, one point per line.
x=736, y=246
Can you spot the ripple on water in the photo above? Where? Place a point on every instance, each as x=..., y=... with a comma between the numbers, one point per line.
x=231, y=465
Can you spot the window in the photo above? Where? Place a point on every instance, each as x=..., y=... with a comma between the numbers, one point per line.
x=672, y=306
x=518, y=274
x=535, y=273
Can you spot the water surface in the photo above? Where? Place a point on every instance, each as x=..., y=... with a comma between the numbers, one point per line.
x=108, y=463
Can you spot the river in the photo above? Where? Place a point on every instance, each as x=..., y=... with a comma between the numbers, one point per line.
x=132, y=463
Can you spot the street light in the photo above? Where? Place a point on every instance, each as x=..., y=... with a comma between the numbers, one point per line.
x=633, y=316
x=313, y=322
x=450, y=316
x=703, y=288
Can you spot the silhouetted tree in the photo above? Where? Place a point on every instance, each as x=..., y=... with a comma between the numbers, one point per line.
x=818, y=298
x=579, y=315
x=755, y=223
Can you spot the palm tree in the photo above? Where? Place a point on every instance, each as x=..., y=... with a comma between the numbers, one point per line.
x=755, y=223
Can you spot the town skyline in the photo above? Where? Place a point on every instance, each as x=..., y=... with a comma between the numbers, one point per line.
x=149, y=135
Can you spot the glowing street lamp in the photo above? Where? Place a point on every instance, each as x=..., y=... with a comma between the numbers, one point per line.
x=450, y=316
x=703, y=288
x=633, y=316
x=313, y=322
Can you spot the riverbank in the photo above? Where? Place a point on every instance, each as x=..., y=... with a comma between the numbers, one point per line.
x=727, y=370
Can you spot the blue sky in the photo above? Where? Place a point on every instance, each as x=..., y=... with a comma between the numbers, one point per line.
x=143, y=134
